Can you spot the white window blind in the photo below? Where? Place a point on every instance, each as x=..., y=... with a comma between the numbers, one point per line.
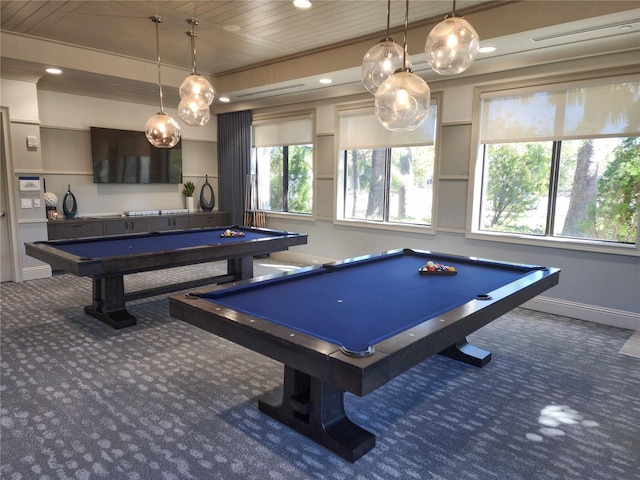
x=282, y=131
x=361, y=129
x=563, y=113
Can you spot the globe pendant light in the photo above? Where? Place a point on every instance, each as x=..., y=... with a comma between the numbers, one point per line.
x=452, y=45
x=196, y=93
x=402, y=101
x=161, y=130
x=192, y=113
x=382, y=60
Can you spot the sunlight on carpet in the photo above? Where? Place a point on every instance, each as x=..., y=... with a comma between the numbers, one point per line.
x=632, y=347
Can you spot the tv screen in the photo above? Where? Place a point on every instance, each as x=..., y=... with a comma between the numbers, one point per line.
x=124, y=156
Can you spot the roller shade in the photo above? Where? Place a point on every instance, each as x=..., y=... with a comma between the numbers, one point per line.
x=283, y=131
x=563, y=113
x=361, y=129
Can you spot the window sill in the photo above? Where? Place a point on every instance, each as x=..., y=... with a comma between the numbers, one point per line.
x=560, y=243
x=394, y=227
x=289, y=216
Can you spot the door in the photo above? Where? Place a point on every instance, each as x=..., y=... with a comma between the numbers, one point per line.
x=6, y=259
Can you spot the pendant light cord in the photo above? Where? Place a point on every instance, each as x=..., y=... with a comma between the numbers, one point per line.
x=158, y=20
x=406, y=26
x=193, y=36
x=453, y=14
x=388, y=18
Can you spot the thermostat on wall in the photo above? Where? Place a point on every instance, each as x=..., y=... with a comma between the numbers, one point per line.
x=32, y=141
x=29, y=184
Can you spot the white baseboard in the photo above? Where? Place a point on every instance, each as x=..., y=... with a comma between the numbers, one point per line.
x=581, y=311
x=296, y=257
x=34, y=273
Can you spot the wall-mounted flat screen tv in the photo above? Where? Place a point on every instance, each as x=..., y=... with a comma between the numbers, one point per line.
x=124, y=156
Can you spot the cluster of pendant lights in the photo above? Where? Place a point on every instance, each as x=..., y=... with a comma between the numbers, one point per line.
x=402, y=98
x=196, y=95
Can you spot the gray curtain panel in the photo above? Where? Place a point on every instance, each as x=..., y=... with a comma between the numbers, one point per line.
x=234, y=157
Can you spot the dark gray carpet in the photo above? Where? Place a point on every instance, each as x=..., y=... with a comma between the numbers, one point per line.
x=164, y=400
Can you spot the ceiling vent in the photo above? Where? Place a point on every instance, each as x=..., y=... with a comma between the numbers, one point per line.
x=580, y=31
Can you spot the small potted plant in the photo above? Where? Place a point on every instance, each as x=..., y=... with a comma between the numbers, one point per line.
x=187, y=191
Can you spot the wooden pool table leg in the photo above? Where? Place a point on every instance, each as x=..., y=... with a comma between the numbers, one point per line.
x=316, y=409
x=467, y=353
x=108, y=302
x=241, y=267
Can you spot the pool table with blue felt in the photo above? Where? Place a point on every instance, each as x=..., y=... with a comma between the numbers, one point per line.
x=354, y=325
x=107, y=259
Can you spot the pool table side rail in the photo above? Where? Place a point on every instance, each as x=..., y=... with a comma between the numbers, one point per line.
x=428, y=255
x=326, y=361
x=58, y=259
x=126, y=264
x=259, y=335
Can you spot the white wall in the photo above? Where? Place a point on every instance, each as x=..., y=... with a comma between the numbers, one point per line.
x=66, y=152
x=27, y=224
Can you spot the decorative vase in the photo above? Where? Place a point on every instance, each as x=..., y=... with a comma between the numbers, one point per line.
x=51, y=205
x=69, y=204
x=190, y=204
x=207, y=205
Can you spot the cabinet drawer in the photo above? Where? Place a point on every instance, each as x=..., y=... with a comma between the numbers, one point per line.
x=213, y=219
x=126, y=225
x=65, y=229
x=177, y=222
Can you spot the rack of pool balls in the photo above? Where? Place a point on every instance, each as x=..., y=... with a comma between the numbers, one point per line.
x=433, y=268
x=232, y=233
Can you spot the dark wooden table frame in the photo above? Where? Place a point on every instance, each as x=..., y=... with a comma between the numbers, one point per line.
x=107, y=273
x=317, y=373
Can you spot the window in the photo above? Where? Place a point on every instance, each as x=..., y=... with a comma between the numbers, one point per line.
x=283, y=163
x=386, y=177
x=561, y=162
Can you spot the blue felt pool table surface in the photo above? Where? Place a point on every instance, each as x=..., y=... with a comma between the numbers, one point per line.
x=359, y=304
x=104, y=247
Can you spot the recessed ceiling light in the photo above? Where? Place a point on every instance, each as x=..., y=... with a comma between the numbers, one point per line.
x=487, y=49
x=54, y=71
x=224, y=99
x=325, y=81
x=231, y=28
x=302, y=3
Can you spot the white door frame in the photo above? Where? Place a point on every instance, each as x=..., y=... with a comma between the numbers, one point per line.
x=9, y=198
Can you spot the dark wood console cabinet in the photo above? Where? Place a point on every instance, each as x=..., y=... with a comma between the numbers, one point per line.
x=118, y=225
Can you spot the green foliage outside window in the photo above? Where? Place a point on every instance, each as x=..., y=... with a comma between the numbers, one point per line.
x=276, y=180
x=289, y=173
x=389, y=184
x=300, y=178
x=615, y=212
x=518, y=174
x=585, y=189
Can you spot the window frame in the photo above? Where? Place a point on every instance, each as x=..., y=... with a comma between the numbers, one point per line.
x=476, y=167
x=341, y=177
x=267, y=119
